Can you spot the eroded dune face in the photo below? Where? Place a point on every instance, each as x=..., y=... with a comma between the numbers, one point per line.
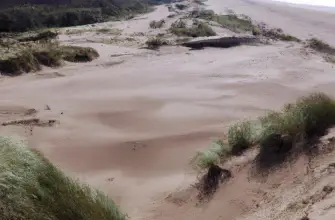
x=130, y=121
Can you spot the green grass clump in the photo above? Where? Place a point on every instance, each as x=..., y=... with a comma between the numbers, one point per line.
x=240, y=137
x=24, y=62
x=310, y=116
x=23, y=57
x=78, y=54
x=33, y=189
x=198, y=29
x=155, y=43
x=157, y=24
x=216, y=152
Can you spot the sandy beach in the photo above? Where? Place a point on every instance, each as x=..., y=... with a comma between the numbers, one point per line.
x=130, y=121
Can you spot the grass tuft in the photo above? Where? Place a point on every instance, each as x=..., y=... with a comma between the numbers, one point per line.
x=216, y=152
x=22, y=57
x=277, y=34
x=198, y=29
x=157, y=24
x=78, y=54
x=320, y=46
x=155, y=43
x=33, y=189
x=276, y=133
x=240, y=137
x=310, y=116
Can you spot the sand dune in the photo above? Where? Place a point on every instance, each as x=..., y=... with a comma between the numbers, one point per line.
x=130, y=121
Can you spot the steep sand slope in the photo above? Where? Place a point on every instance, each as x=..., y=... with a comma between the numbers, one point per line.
x=130, y=124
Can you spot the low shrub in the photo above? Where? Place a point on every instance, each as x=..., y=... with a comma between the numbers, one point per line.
x=78, y=54
x=155, y=43
x=16, y=64
x=46, y=35
x=33, y=189
x=276, y=133
x=26, y=57
x=216, y=153
x=240, y=137
x=198, y=29
x=157, y=24
x=310, y=116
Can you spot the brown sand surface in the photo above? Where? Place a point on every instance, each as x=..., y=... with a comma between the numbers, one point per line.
x=130, y=121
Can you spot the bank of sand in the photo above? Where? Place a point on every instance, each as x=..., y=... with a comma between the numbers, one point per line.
x=129, y=124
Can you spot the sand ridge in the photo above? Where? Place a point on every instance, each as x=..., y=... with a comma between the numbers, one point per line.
x=130, y=121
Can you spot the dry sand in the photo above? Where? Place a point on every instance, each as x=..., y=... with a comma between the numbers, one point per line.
x=129, y=122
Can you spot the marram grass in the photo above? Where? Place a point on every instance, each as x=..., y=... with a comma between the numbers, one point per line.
x=309, y=117
x=31, y=188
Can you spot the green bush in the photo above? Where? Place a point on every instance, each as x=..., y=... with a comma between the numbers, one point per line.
x=33, y=189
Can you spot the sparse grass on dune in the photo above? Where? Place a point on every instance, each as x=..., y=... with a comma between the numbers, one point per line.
x=217, y=151
x=242, y=24
x=309, y=117
x=240, y=137
x=234, y=23
x=22, y=57
x=155, y=42
x=198, y=29
x=277, y=34
x=78, y=54
x=157, y=24
x=33, y=189
x=322, y=47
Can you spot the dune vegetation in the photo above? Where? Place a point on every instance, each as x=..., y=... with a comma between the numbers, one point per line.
x=197, y=29
x=308, y=118
x=33, y=189
x=29, y=52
